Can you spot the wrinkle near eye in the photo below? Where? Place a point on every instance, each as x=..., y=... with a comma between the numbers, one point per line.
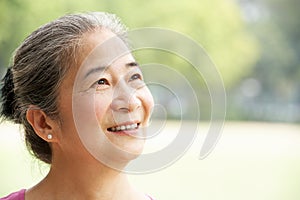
x=101, y=84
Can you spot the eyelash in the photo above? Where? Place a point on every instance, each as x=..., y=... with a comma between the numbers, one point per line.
x=104, y=81
x=136, y=76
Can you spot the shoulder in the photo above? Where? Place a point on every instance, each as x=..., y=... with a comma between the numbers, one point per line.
x=19, y=195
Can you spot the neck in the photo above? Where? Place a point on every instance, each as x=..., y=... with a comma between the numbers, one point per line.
x=82, y=180
x=90, y=183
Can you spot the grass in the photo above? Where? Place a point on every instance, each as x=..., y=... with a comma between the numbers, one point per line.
x=258, y=161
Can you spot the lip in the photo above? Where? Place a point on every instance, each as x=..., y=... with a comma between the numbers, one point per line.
x=126, y=128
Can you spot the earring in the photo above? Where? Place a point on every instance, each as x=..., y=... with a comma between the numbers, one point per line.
x=49, y=136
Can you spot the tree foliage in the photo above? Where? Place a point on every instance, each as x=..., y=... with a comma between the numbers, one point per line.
x=275, y=24
x=215, y=24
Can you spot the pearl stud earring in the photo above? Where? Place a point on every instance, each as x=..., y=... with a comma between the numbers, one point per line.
x=49, y=136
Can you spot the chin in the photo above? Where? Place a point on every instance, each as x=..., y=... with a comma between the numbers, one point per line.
x=128, y=144
x=117, y=153
x=130, y=149
x=129, y=156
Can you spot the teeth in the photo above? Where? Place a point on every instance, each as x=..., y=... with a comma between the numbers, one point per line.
x=124, y=127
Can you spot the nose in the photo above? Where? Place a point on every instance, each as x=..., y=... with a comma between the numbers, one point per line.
x=125, y=99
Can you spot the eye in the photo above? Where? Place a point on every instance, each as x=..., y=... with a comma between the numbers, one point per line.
x=136, y=81
x=101, y=84
x=135, y=77
x=102, y=81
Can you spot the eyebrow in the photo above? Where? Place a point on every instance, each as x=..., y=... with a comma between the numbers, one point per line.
x=132, y=64
x=103, y=68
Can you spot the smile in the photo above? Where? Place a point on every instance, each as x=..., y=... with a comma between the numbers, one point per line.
x=124, y=127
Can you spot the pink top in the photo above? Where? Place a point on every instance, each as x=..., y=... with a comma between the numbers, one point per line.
x=20, y=195
x=150, y=197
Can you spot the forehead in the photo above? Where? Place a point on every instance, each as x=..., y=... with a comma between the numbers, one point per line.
x=104, y=50
x=100, y=47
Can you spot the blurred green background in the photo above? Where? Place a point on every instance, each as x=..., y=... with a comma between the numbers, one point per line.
x=255, y=46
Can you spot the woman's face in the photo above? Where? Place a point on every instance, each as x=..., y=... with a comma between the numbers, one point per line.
x=104, y=103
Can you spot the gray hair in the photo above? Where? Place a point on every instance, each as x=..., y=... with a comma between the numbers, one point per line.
x=39, y=66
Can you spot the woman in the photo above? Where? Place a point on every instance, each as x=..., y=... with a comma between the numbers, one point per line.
x=81, y=99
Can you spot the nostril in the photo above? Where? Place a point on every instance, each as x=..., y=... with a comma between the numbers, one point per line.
x=122, y=104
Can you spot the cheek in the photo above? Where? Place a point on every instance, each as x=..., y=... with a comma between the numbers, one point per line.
x=101, y=105
x=86, y=120
x=89, y=111
x=83, y=107
x=148, y=102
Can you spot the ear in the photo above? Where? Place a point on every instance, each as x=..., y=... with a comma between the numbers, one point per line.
x=42, y=124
